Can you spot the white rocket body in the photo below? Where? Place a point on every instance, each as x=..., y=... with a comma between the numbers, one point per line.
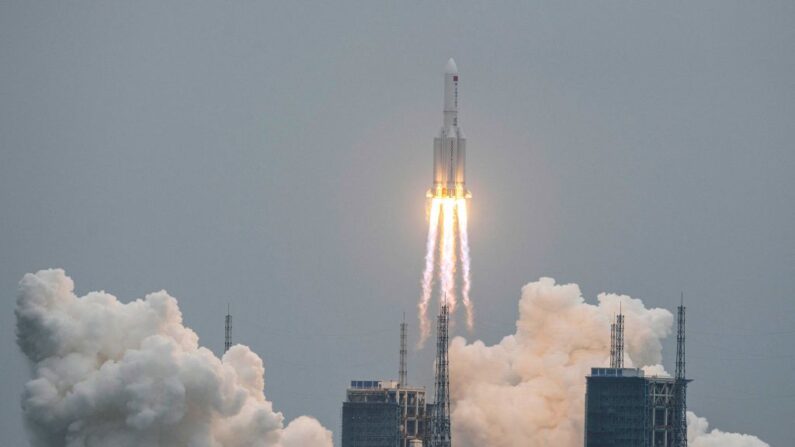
x=449, y=148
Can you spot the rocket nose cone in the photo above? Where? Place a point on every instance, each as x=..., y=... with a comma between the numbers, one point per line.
x=451, y=67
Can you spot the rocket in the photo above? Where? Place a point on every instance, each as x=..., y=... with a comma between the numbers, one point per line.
x=449, y=148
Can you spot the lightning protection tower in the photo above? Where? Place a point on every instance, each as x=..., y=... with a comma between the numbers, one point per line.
x=403, y=373
x=620, y=340
x=227, y=330
x=613, y=345
x=680, y=380
x=440, y=425
x=617, y=341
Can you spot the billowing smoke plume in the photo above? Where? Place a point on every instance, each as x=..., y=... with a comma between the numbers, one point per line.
x=107, y=373
x=698, y=436
x=529, y=389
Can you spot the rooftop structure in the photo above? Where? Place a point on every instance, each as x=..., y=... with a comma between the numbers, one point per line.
x=617, y=342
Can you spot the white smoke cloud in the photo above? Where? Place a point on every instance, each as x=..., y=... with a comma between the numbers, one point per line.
x=107, y=373
x=529, y=389
x=698, y=436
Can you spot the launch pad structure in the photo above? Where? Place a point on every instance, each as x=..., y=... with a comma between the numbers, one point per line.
x=680, y=379
x=625, y=408
x=440, y=420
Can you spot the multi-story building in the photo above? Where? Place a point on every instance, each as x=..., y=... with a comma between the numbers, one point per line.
x=623, y=408
x=381, y=413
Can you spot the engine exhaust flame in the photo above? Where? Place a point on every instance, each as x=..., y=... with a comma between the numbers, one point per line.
x=427, y=274
x=447, y=260
x=453, y=214
x=461, y=204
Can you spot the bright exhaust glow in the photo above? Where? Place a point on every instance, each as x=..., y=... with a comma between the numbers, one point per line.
x=453, y=215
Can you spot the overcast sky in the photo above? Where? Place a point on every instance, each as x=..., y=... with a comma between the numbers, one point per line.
x=275, y=156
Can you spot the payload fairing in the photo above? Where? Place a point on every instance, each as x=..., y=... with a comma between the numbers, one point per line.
x=449, y=148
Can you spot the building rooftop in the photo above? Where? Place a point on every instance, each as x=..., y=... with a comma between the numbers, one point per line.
x=373, y=384
x=380, y=385
x=616, y=372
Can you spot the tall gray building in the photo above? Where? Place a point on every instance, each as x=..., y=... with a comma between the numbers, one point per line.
x=370, y=416
x=623, y=408
x=381, y=413
x=615, y=408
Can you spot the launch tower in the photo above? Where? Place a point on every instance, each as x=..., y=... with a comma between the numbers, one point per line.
x=440, y=421
x=680, y=380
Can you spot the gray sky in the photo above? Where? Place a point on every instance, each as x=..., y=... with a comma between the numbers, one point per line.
x=275, y=156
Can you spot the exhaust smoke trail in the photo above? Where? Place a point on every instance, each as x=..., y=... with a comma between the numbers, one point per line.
x=427, y=274
x=453, y=214
x=465, y=263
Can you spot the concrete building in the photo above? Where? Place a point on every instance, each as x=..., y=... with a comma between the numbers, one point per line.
x=370, y=416
x=381, y=413
x=615, y=408
x=413, y=415
x=623, y=408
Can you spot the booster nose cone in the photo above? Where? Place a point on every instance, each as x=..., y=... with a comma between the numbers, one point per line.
x=451, y=67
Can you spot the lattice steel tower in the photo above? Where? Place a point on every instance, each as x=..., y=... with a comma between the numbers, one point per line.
x=228, y=330
x=403, y=370
x=440, y=424
x=613, y=345
x=680, y=418
x=620, y=340
x=617, y=341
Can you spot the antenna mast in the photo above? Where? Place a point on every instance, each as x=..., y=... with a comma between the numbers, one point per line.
x=613, y=345
x=620, y=340
x=228, y=330
x=403, y=369
x=617, y=341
